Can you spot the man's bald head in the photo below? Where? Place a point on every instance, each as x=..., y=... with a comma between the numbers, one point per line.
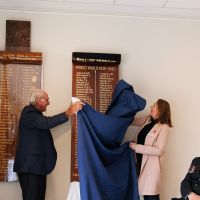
x=40, y=99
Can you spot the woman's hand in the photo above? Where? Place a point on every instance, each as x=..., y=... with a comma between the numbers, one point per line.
x=132, y=145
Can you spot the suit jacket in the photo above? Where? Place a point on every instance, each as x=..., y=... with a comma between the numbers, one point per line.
x=191, y=182
x=35, y=152
x=153, y=150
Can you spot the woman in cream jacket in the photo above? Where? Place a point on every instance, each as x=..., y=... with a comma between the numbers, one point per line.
x=150, y=146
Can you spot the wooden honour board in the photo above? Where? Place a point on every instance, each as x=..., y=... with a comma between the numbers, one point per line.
x=94, y=76
x=20, y=74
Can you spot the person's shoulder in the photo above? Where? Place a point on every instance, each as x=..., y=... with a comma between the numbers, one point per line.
x=196, y=160
x=29, y=109
x=26, y=107
x=165, y=126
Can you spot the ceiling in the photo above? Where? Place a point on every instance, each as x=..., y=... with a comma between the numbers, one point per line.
x=184, y=9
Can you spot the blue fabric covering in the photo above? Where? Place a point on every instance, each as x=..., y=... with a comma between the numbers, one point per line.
x=107, y=169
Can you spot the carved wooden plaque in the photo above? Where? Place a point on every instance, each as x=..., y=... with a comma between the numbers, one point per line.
x=20, y=74
x=18, y=35
x=94, y=78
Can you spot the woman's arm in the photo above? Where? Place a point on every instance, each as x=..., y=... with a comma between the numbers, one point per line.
x=157, y=148
x=140, y=121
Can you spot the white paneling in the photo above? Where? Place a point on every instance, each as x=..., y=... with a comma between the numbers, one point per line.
x=189, y=4
x=184, y=9
x=92, y=1
x=33, y=5
x=47, y=1
x=151, y=3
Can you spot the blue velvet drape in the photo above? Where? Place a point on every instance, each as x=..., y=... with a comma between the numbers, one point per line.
x=107, y=167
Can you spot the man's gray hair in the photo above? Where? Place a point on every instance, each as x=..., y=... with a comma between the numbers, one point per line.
x=38, y=93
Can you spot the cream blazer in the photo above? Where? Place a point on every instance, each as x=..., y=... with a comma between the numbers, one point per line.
x=149, y=181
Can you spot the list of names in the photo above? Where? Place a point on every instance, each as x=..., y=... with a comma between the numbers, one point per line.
x=17, y=82
x=94, y=85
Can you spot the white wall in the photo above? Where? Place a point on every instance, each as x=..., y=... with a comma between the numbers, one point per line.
x=160, y=57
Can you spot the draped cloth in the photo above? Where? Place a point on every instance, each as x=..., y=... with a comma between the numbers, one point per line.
x=106, y=167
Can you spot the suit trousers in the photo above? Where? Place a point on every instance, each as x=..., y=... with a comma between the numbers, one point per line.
x=151, y=197
x=33, y=186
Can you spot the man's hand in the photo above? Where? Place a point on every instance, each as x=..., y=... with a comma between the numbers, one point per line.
x=74, y=108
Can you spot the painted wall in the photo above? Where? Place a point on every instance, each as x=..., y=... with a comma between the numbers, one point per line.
x=160, y=58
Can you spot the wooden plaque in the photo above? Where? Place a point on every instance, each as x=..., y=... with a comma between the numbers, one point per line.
x=19, y=76
x=18, y=35
x=94, y=78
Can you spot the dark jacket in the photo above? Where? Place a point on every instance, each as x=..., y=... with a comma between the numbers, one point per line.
x=35, y=151
x=191, y=182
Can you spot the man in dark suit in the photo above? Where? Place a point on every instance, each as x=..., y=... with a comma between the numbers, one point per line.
x=36, y=155
x=190, y=186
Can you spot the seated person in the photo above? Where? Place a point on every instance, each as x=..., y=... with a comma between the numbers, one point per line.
x=190, y=186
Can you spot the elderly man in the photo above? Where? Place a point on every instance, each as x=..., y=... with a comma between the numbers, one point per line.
x=36, y=155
